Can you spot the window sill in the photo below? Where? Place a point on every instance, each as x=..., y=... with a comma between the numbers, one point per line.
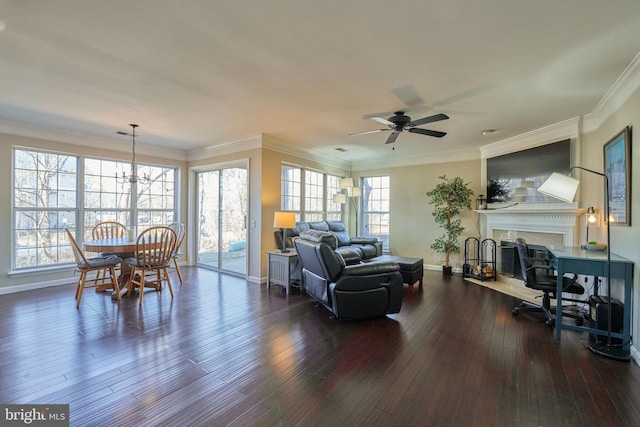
x=40, y=270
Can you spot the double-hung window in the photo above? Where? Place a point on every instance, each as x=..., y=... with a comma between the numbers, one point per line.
x=334, y=210
x=309, y=194
x=109, y=198
x=313, y=196
x=54, y=191
x=45, y=202
x=105, y=197
x=375, y=208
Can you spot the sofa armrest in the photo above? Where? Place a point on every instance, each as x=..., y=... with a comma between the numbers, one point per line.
x=387, y=276
x=364, y=240
x=371, y=268
x=369, y=241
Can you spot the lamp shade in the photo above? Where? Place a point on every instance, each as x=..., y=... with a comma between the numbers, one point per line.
x=354, y=192
x=592, y=216
x=345, y=183
x=559, y=186
x=284, y=219
x=339, y=198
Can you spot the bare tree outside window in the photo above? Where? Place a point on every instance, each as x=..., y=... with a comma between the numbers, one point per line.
x=45, y=203
x=50, y=195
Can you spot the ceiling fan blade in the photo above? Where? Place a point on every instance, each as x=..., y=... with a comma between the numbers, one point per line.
x=369, y=131
x=430, y=119
x=408, y=95
x=428, y=132
x=382, y=120
x=392, y=138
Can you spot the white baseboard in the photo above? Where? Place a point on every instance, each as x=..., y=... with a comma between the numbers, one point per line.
x=31, y=286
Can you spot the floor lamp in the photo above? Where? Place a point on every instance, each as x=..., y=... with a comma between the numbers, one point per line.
x=353, y=192
x=564, y=187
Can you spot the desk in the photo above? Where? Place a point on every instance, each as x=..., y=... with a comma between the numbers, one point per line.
x=569, y=259
x=124, y=247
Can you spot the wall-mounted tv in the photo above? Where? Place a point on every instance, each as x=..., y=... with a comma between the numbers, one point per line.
x=515, y=177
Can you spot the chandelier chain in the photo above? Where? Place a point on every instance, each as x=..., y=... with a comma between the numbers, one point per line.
x=132, y=178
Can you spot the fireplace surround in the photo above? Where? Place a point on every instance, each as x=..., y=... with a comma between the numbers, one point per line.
x=540, y=224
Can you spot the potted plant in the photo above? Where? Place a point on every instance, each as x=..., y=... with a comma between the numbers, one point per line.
x=449, y=198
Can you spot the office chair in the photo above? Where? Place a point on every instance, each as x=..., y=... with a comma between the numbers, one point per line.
x=536, y=275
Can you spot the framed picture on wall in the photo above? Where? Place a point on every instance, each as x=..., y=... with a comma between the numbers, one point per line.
x=617, y=167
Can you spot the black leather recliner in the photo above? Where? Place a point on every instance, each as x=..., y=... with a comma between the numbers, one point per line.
x=358, y=291
x=353, y=249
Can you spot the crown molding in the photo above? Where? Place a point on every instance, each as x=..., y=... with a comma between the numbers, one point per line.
x=416, y=160
x=568, y=129
x=66, y=136
x=619, y=93
x=270, y=142
x=623, y=88
x=226, y=148
x=273, y=143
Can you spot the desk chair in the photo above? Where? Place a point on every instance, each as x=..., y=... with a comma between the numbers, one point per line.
x=536, y=274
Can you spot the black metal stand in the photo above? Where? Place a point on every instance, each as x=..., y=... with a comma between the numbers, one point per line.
x=479, y=259
x=607, y=350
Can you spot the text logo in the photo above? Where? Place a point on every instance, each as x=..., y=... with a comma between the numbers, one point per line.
x=34, y=415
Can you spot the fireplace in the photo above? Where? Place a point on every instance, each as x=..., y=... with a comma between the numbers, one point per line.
x=509, y=260
x=541, y=225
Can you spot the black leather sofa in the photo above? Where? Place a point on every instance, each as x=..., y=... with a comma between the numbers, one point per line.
x=359, y=291
x=352, y=249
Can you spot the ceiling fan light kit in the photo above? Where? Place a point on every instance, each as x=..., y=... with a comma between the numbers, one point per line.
x=400, y=122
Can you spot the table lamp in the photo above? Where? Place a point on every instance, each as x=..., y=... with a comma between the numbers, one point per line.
x=592, y=219
x=284, y=220
x=564, y=187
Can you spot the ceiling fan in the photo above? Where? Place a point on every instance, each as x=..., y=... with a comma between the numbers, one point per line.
x=399, y=122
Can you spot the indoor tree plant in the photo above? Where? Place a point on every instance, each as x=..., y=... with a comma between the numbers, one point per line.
x=449, y=198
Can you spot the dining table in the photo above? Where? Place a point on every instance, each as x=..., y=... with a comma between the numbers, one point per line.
x=124, y=248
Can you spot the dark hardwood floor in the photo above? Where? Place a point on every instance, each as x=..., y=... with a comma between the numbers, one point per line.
x=227, y=352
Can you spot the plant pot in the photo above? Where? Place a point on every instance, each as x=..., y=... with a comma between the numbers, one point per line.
x=446, y=270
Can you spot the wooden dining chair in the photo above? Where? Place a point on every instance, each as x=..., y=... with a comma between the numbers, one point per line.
x=178, y=228
x=153, y=255
x=103, y=266
x=108, y=230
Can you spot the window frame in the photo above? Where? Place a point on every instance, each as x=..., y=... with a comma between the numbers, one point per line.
x=366, y=214
x=288, y=194
x=81, y=226
x=62, y=251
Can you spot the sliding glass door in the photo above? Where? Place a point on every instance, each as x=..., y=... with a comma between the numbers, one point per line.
x=222, y=219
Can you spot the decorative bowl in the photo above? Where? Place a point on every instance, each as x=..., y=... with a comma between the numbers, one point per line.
x=594, y=246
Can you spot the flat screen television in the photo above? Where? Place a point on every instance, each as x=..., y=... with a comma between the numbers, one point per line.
x=515, y=177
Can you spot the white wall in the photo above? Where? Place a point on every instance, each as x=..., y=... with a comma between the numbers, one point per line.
x=412, y=227
x=624, y=239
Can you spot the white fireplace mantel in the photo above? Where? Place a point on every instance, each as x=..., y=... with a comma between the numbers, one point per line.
x=557, y=219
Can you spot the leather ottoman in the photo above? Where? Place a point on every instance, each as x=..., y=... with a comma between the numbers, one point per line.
x=411, y=269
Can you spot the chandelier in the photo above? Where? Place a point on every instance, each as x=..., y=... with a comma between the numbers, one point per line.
x=132, y=178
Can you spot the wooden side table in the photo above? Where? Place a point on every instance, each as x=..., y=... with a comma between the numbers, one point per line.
x=279, y=267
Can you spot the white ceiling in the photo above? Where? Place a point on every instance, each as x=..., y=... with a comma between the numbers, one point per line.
x=196, y=74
